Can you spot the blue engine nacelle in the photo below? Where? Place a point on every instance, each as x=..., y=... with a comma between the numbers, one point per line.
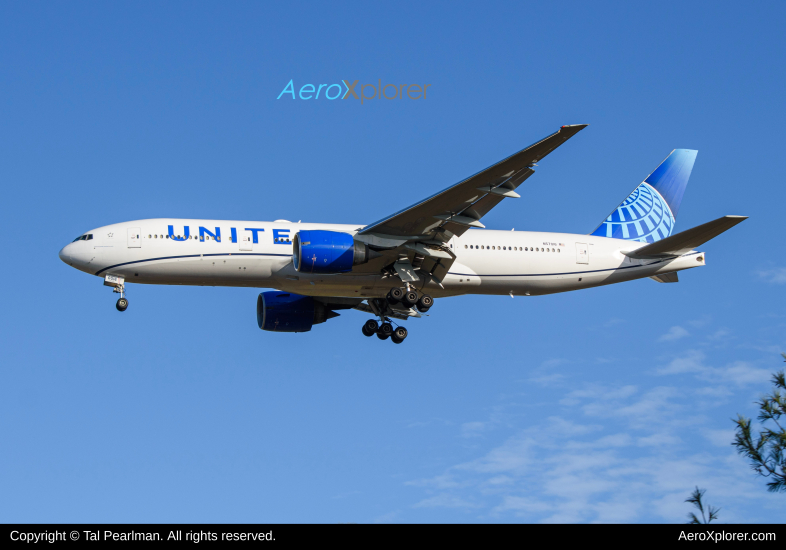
x=287, y=312
x=327, y=252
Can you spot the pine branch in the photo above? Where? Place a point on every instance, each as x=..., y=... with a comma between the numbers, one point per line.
x=766, y=451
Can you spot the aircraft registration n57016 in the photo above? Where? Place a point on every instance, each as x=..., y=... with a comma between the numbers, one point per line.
x=394, y=268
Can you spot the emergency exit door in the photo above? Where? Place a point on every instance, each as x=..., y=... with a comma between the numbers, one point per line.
x=134, y=237
x=246, y=241
x=582, y=255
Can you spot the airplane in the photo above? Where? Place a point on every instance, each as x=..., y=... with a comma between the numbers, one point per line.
x=396, y=267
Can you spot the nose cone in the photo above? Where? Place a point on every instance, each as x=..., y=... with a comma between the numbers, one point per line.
x=64, y=254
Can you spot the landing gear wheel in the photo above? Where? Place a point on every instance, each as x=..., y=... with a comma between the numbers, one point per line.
x=395, y=295
x=425, y=303
x=399, y=335
x=410, y=298
x=122, y=304
x=385, y=331
x=370, y=327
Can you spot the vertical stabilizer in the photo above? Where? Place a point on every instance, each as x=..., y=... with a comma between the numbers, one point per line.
x=649, y=213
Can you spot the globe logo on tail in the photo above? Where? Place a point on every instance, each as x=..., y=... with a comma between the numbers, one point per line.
x=644, y=216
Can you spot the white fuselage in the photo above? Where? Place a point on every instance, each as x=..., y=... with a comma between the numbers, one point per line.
x=487, y=261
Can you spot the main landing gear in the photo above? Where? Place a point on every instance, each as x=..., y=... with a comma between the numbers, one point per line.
x=407, y=298
x=384, y=331
x=410, y=298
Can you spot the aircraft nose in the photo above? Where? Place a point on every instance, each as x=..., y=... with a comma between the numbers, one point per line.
x=64, y=254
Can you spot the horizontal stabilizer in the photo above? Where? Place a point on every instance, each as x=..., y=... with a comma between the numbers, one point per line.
x=666, y=277
x=688, y=240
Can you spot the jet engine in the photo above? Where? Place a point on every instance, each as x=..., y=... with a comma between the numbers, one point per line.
x=287, y=312
x=328, y=252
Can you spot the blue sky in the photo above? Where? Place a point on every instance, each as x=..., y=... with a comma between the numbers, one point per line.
x=605, y=405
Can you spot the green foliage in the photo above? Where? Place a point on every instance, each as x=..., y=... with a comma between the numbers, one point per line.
x=695, y=499
x=766, y=450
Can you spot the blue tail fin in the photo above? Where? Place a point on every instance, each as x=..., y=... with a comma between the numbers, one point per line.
x=649, y=213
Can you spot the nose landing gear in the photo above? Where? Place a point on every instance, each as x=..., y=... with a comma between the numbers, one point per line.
x=122, y=302
x=118, y=286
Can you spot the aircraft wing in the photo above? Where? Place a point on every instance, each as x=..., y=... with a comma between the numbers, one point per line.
x=455, y=209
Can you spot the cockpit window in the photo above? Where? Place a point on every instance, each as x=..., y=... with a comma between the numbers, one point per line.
x=83, y=238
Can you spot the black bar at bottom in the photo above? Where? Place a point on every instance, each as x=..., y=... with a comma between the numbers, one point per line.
x=396, y=534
